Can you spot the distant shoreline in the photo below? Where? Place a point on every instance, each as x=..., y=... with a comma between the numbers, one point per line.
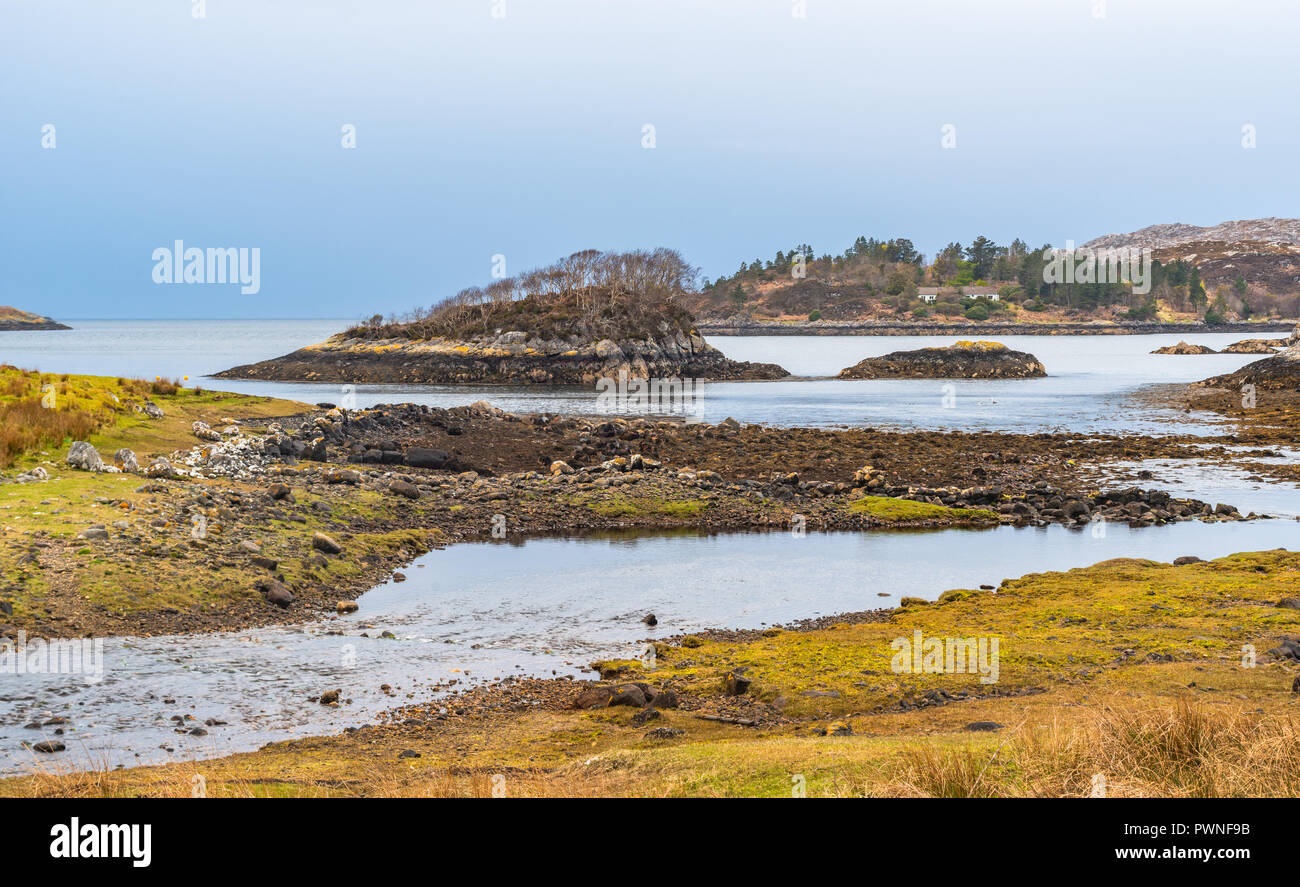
x=11, y=326
x=833, y=328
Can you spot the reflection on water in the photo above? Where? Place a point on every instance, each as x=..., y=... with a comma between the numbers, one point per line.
x=1088, y=376
x=474, y=612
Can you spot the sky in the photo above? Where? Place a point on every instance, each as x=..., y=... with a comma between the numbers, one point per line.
x=518, y=128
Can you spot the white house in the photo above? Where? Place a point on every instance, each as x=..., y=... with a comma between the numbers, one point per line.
x=982, y=292
x=927, y=295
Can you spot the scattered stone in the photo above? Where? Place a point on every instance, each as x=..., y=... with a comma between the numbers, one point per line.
x=665, y=733
x=837, y=728
x=645, y=716
x=344, y=607
x=330, y=697
x=204, y=432
x=49, y=746
x=983, y=726
x=321, y=542
x=408, y=753
x=278, y=492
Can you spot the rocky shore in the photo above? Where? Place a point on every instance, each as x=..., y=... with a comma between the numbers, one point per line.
x=747, y=327
x=962, y=360
x=263, y=518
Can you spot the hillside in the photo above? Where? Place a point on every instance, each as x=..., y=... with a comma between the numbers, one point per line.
x=12, y=319
x=1256, y=257
x=1193, y=280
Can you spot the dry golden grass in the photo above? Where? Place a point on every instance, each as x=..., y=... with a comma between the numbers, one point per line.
x=26, y=425
x=1186, y=750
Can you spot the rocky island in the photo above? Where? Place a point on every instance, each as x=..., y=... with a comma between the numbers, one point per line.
x=593, y=315
x=13, y=319
x=1185, y=348
x=962, y=360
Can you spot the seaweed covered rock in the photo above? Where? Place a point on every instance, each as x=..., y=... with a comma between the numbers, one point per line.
x=962, y=360
x=1279, y=372
x=1185, y=348
x=1255, y=346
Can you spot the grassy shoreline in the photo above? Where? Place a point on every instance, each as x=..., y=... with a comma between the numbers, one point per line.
x=1129, y=669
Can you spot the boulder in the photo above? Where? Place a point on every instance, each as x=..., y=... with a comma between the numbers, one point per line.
x=594, y=697
x=125, y=460
x=85, y=457
x=419, y=457
x=342, y=476
x=152, y=410
x=402, y=488
x=321, y=542
x=160, y=467
x=628, y=694
x=275, y=592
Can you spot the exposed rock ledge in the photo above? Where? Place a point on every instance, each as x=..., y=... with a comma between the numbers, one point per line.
x=12, y=319
x=1281, y=371
x=509, y=358
x=963, y=360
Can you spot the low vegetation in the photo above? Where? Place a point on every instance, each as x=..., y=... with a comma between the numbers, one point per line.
x=620, y=296
x=1126, y=678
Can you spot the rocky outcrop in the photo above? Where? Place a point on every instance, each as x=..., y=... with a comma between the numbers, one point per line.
x=1185, y=348
x=508, y=357
x=963, y=360
x=1255, y=346
x=1279, y=372
x=12, y=319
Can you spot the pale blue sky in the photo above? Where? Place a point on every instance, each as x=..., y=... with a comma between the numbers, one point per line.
x=522, y=135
